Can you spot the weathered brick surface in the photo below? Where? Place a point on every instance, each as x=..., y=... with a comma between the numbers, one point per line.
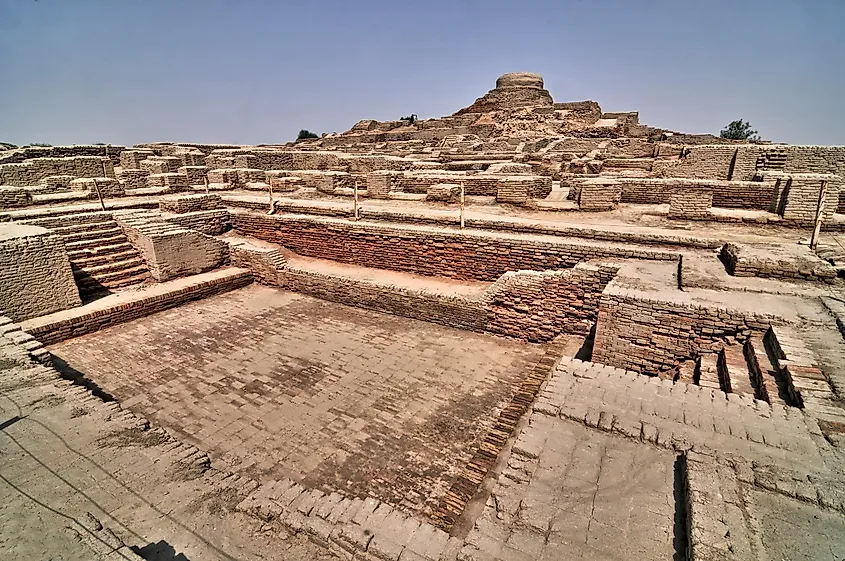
x=170, y=250
x=31, y=172
x=539, y=306
x=13, y=197
x=131, y=159
x=769, y=262
x=35, y=276
x=690, y=203
x=53, y=328
x=426, y=251
x=133, y=178
x=650, y=336
x=599, y=195
x=190, y=203
x=211, y=222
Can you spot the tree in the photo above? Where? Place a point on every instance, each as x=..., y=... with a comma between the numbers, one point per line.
x=7, y=145
x=412, y=118
x=305, y=134
x=739, y=130
x=41, y=144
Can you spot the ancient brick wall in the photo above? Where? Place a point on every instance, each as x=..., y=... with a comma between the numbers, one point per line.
x=31, y=172
x=726, y=194
x=800, y=201
x=35, y=276
x=264, y=263
x=690, y=203
x=210, y=222
x=19, y=155
x=13, y=197
x=133, y=178
x=131, y=159
x=454, y=311
x=427, y=251
x=190, y=203
x=599, y=195
x=650, y=336
x=170, y=250
x=53, y=330
x=539, y=306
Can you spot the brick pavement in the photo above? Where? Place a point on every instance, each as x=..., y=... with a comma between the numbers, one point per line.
x=275, y=384
x=571, y=492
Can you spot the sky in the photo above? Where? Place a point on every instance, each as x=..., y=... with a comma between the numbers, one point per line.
x=254, y=71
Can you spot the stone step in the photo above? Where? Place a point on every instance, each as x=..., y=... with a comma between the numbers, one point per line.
x=764, y=373
x=64, y=231
x=797, y=368
x=97, y=271
x=88, y=261
x=117, y=279
x=734, y=372
x=78, y=254
x=94, y=243
x=69, y=219
x=98, y=234
x=707, y=371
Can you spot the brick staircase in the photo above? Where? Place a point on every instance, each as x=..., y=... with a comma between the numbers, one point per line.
x=100, y=253
x=788, y=366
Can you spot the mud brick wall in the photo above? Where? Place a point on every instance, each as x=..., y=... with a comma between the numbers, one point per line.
x=133, y=178
x=19, y=155
x=190, y=203
x=169, y=250
x=264, y=263
x=474, y=184
x=427, y=251
x=454, y=311
x=802, y=197
x=106, y=186
x=173, y=181
x=54, y=331
x=238, y=178
x=161, y=164
x=742, y=261
x=647, y=335
x=14, y=197
x=381, y=183
x=35, y=276
x=517, y=189
x=209, y=222
x=598, y=196
x=690, y=203
x=539, y=306
x=196, y=174
x=31, y=172
x=131, y=159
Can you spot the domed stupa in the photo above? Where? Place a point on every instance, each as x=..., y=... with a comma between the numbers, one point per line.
x=514, y=90
x=519, y=80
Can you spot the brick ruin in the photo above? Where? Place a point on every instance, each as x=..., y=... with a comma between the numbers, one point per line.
x=684, y=293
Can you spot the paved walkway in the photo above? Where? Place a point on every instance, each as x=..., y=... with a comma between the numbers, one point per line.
x=279, y=385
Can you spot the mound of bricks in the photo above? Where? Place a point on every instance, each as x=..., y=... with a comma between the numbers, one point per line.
x=107, y=186
x=190, y=203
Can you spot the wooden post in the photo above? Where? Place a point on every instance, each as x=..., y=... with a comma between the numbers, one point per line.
x=99, y=195
x=205, y=181
x=270, y=190
x=817, y=227
x=355, y=202
x=463, y=202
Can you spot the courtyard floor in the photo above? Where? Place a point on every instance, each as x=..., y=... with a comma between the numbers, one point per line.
x=274, y=384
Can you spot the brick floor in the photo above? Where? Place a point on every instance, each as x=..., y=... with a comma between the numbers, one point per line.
x=276, y=384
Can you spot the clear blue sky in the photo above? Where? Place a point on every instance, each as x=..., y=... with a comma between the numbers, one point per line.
x=253, y=71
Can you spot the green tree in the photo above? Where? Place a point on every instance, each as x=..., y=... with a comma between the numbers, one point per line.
x=7, y=145
x=305, y=134
x=412, y=118
x=739, y=130
x=41, y=144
